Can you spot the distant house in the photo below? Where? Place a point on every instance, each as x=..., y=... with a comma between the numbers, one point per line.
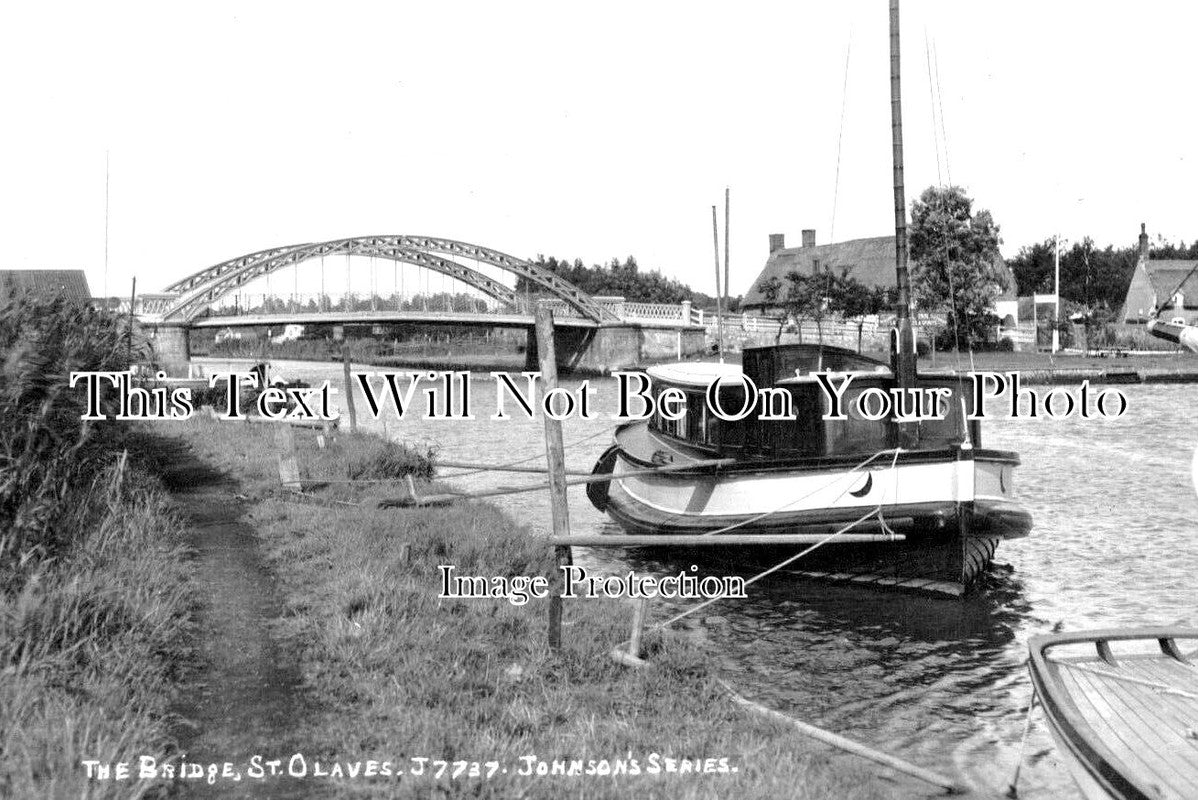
x=1157, y=283
x=44, y=283
x=870, y=261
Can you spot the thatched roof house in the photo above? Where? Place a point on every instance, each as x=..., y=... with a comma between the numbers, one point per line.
x=1155, y=284
x=871, y=261
x=44, y=283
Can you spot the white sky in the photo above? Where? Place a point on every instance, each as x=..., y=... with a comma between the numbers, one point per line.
x=591, y=131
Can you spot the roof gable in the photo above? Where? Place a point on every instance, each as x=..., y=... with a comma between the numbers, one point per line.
x=1166, y=273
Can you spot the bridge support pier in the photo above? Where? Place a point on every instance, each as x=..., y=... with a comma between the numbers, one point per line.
x=172, y=348
x=600, y=350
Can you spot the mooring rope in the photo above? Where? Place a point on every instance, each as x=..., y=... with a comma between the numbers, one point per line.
x=533, y=457
x=1013, y=786
x=770, y=571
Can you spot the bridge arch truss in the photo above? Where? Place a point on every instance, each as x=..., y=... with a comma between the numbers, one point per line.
x=201, y=290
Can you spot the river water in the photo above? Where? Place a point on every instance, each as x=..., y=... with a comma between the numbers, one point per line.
x=941, y=682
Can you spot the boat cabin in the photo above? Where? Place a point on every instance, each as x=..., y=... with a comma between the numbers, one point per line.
x=785, y=406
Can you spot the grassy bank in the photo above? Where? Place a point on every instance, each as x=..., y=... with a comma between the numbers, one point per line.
x=94, y=598
x=400, y=673
x=92, y=644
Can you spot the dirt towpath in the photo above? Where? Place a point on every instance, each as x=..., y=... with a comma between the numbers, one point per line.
x=245, y=698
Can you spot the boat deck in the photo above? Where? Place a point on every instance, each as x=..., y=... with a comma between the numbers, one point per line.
x=1130, y=720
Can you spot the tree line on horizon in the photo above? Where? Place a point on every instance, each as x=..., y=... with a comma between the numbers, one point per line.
x=623, y=279
x=1093, y=277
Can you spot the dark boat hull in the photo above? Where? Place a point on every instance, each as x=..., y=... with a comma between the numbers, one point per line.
x=948, y=535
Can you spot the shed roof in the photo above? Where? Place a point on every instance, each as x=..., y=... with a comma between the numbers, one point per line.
x=46, y=283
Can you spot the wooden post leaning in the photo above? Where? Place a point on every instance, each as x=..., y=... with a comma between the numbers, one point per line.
x=632, y=658
x=556, y=457
x=290, y=475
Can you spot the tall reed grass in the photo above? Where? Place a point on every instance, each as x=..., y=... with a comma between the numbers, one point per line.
x=94, y=596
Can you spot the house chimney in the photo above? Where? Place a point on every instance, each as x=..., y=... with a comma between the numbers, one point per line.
x=777, y=241
x=809, y=237
x=1143, y=242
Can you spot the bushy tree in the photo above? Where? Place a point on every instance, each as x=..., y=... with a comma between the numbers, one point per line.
x=1097, y=278
x=820, y=295
x=955, y=260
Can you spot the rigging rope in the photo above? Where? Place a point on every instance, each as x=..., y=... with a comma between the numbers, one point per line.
x=844, y=101
x=943, y=130
x=932, y=105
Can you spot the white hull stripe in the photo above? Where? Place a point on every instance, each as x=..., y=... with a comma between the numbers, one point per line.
x=762, y=493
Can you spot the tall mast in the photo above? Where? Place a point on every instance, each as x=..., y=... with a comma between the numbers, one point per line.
x=719, y=297
x=905, y=346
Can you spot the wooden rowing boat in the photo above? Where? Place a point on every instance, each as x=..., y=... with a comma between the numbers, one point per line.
x=1124, y=717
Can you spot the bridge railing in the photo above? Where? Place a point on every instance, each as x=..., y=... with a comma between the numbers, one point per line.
x=528, y=303
x=647, y=312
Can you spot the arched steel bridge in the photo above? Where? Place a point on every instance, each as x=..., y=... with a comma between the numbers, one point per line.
x=186, y=300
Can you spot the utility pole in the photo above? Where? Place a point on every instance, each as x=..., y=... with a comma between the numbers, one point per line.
x=727, y=216
x=1056, y=294
x=719, y=304
x=129, y=338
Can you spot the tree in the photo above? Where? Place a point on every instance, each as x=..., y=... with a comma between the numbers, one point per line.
x=818, y=296
x=955, y=260
x=857, y=300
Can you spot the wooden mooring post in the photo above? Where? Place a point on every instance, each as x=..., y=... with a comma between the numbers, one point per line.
x=349, y=389
x=556, y=458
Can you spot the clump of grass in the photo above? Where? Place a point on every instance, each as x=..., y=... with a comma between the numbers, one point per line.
x=380, y=460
